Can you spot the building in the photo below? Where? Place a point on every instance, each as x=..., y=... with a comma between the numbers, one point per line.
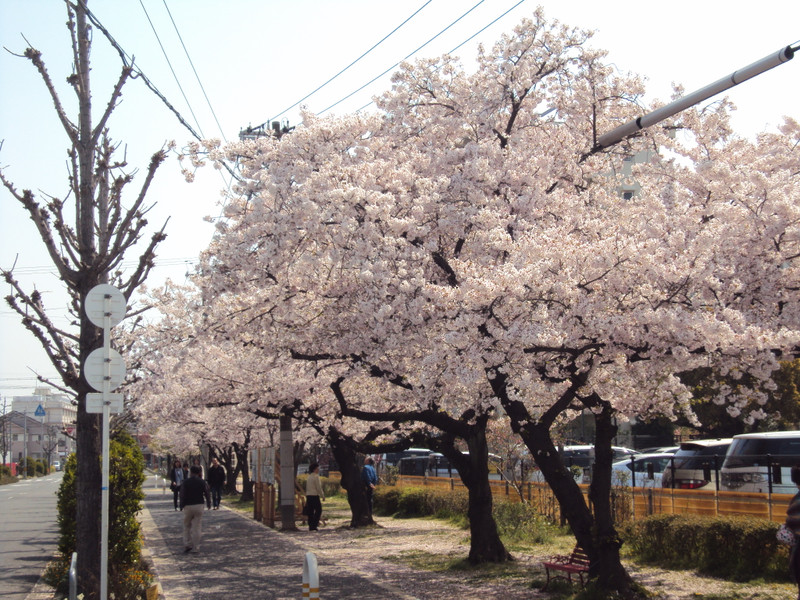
x=41, y=426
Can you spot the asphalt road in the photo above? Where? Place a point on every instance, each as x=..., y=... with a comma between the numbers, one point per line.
x=28, y=532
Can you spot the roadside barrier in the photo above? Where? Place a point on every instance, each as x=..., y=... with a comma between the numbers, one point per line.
x=631, y=503
x=310, y=576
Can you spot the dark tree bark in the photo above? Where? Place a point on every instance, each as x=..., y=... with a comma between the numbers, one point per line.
x=594, y=532
x=226, y=458
x=485, y=543
x=242, y=465
x=347, y=458
x=473, y=469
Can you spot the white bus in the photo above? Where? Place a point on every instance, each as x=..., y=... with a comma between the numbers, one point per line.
x=761, y=462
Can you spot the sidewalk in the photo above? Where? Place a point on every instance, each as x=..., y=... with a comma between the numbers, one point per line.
x=241, y=559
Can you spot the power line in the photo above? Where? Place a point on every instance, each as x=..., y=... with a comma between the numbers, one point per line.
x=348, y=66
x=480, y=31
x=174, y=75
x=127, y=60
x=211, y=108
x=473, y=36
x=374, y=79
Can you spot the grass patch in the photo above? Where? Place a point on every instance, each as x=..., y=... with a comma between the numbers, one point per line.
x=427, y=561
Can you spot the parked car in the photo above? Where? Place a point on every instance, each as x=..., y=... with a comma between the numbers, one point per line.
x=659, y=450
x=583, y=455
x=393, y=458
x=761, y=462
x=57, y=465
x=696, y=465
x=640, y=470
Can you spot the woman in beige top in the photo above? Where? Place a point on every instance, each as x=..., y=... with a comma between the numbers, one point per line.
x=314, y=497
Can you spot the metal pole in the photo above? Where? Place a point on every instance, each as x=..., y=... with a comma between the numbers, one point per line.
x=765, y=64
x=106, y=412
x=25, y=443
x=287, y=473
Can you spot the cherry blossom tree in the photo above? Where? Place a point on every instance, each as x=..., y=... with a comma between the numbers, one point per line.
x=465, y=249
x=87, y=234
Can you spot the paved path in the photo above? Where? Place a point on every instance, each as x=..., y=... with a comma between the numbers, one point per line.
x=28, y=533
x=240, y=558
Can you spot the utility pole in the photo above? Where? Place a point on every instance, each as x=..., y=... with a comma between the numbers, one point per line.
x=277, y=130
x=760, y=66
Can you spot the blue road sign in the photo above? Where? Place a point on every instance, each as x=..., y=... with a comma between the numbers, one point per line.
x=39, y=411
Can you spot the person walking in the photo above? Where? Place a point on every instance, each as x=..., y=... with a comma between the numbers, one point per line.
x=370, y=479
x=216, y=479
x=793, y=524
x=314, y=497
x=194, y=493
x=176, y=477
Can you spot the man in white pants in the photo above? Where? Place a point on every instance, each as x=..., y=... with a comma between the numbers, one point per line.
x=194, y=493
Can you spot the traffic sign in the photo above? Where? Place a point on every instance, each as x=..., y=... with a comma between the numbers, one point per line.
x=94, y=403
x=95, y=371
x=39, y=411
x=105, y=300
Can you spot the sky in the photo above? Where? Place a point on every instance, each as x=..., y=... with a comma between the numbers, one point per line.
x=229, y=65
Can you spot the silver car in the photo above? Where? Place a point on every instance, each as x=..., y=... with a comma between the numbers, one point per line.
x=696, y=465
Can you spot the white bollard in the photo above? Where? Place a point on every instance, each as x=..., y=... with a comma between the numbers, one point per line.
x=310, y=576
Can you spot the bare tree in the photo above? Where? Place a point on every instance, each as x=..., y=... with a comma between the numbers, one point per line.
x=87, y=247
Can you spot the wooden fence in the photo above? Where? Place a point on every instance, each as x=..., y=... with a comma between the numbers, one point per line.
x=631, y=503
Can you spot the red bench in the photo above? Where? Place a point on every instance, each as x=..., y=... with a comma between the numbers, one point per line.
x=575, y=563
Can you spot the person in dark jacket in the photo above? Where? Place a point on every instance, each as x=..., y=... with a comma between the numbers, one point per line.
x=793, y=523
x=216, y=479
x=194, y=493
x=370, y=479
x=176, y=477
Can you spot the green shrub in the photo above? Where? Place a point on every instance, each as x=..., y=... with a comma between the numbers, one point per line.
x=126, y=476
x=717, y=546
x=27, y=467
x=520, y=522
x=515, y=521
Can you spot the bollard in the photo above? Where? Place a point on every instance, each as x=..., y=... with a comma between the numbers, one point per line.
x=310, y=576
x=73, y=577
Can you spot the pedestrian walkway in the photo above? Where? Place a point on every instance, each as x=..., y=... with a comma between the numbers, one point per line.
x=240, y=558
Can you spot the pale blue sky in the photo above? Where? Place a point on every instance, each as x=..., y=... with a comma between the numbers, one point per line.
x=258, y=57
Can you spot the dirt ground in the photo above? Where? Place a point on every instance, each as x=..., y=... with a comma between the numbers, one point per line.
x=427, y=555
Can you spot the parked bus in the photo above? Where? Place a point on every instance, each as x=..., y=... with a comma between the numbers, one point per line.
x=761, y=462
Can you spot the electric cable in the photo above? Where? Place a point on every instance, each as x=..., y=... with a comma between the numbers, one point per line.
x=477, y=33
x=127, y=60
x=346, y=68
x=200, y=83
x=174, y=75
x=374, y=79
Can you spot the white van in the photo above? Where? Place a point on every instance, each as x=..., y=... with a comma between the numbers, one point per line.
x=761, y=462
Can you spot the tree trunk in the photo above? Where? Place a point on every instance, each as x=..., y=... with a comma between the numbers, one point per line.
x=88, y=481
x=595, y=535
x=473, y=468
x=242, y=464
x=231, y=470
x=351, y=481
x=608, y=568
